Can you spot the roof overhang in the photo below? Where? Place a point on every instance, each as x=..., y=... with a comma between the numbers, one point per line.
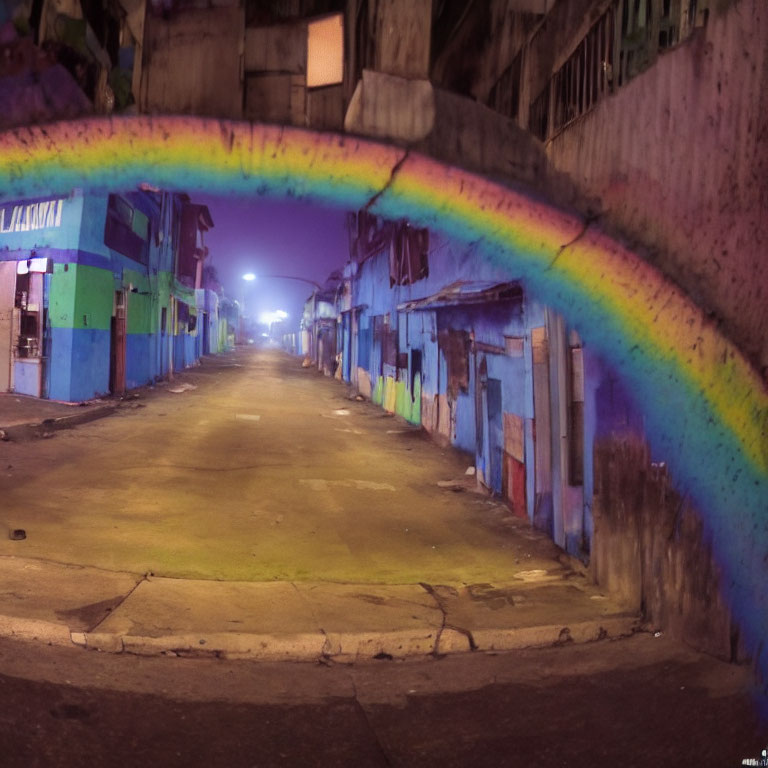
x=464, y=293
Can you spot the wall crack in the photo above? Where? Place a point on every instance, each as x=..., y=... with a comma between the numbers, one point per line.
x=392, y=174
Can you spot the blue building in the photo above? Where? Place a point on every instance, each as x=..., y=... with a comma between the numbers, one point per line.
x=449, y=342
x=100, y=293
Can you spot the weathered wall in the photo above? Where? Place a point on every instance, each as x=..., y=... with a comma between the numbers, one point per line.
x=472, y=136
x=650, y=549
x=402, y=29
x=192, y=63
x=275, y=73
x=678, y=158
x=500, y=34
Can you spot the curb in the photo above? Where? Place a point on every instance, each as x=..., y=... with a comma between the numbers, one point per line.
x=349, y=647
x=35, y=430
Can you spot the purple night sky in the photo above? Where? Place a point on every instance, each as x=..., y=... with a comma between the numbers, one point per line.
x=266, y=237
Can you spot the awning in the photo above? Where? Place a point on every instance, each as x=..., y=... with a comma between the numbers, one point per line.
x=466, y=292
x=356, y=308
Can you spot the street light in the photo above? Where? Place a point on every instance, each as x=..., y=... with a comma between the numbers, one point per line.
x=249, y=276
x=315, y=285
x=267, y=318
x=270, y=318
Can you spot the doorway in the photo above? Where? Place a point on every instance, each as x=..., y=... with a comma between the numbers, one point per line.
x=495, y=433
x=117, y=346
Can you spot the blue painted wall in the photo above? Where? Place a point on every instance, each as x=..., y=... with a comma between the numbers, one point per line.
x=489, y=323
x=77, y=341
x=79, y=365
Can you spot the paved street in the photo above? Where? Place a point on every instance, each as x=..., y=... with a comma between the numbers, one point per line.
x=253, y=509
x=276, y=497
x=635, y=703
x=265, y=471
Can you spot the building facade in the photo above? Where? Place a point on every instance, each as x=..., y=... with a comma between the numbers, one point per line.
x=102, y=292
x=449, y=342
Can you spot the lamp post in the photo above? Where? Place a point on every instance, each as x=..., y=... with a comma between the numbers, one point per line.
x=248, y=277
x=251, y=276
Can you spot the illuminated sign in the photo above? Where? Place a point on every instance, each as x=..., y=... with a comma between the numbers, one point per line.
x=27, y=217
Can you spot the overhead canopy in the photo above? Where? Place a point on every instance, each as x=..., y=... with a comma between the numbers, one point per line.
x=466, y=292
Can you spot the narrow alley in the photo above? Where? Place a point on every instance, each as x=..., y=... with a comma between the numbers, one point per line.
x=264, y=471
x=255, y=507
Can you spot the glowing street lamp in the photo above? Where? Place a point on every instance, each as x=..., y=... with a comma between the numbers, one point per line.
x=267, y=318
x=270, y=318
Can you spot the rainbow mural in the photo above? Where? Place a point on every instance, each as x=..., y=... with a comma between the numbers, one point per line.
x=706, y=409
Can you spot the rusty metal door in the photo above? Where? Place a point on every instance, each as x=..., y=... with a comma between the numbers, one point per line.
x=7, y=295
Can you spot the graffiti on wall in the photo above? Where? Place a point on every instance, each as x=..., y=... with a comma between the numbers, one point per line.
x=31, y=216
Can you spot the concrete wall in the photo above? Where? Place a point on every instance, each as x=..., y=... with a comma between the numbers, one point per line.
x=402, y=30
x=650, y=549
x=678, y=159
x=192, y=63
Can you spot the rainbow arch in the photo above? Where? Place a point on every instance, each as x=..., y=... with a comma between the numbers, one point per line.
x=706, y=409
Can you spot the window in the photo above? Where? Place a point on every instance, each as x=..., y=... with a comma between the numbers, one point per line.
x=325, y=51
x=126, y=230
x=454, y=345
x=370, y=235
x=408, y=255
x=28, y=300
x=505, y=94
x=587, y=75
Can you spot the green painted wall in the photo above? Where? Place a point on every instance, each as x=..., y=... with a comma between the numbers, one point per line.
x=61, y=302
x=94, y=297
x=139, y=316
x=80, y=297
x=405, y=406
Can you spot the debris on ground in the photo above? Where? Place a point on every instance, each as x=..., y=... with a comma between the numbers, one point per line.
x=451, y=485
x=341, y=412
x=306, y=363
x=17, y=534
x=182, y=388
x=537, y=574
x=470, y=471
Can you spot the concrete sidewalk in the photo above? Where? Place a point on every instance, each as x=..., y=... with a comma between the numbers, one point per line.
x=299, y=621
x=27, y=418
x=284, y=521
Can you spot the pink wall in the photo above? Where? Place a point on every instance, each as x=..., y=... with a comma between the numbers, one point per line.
x=679, y=157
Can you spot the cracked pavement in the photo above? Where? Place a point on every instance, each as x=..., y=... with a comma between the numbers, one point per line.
x=262, y=512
